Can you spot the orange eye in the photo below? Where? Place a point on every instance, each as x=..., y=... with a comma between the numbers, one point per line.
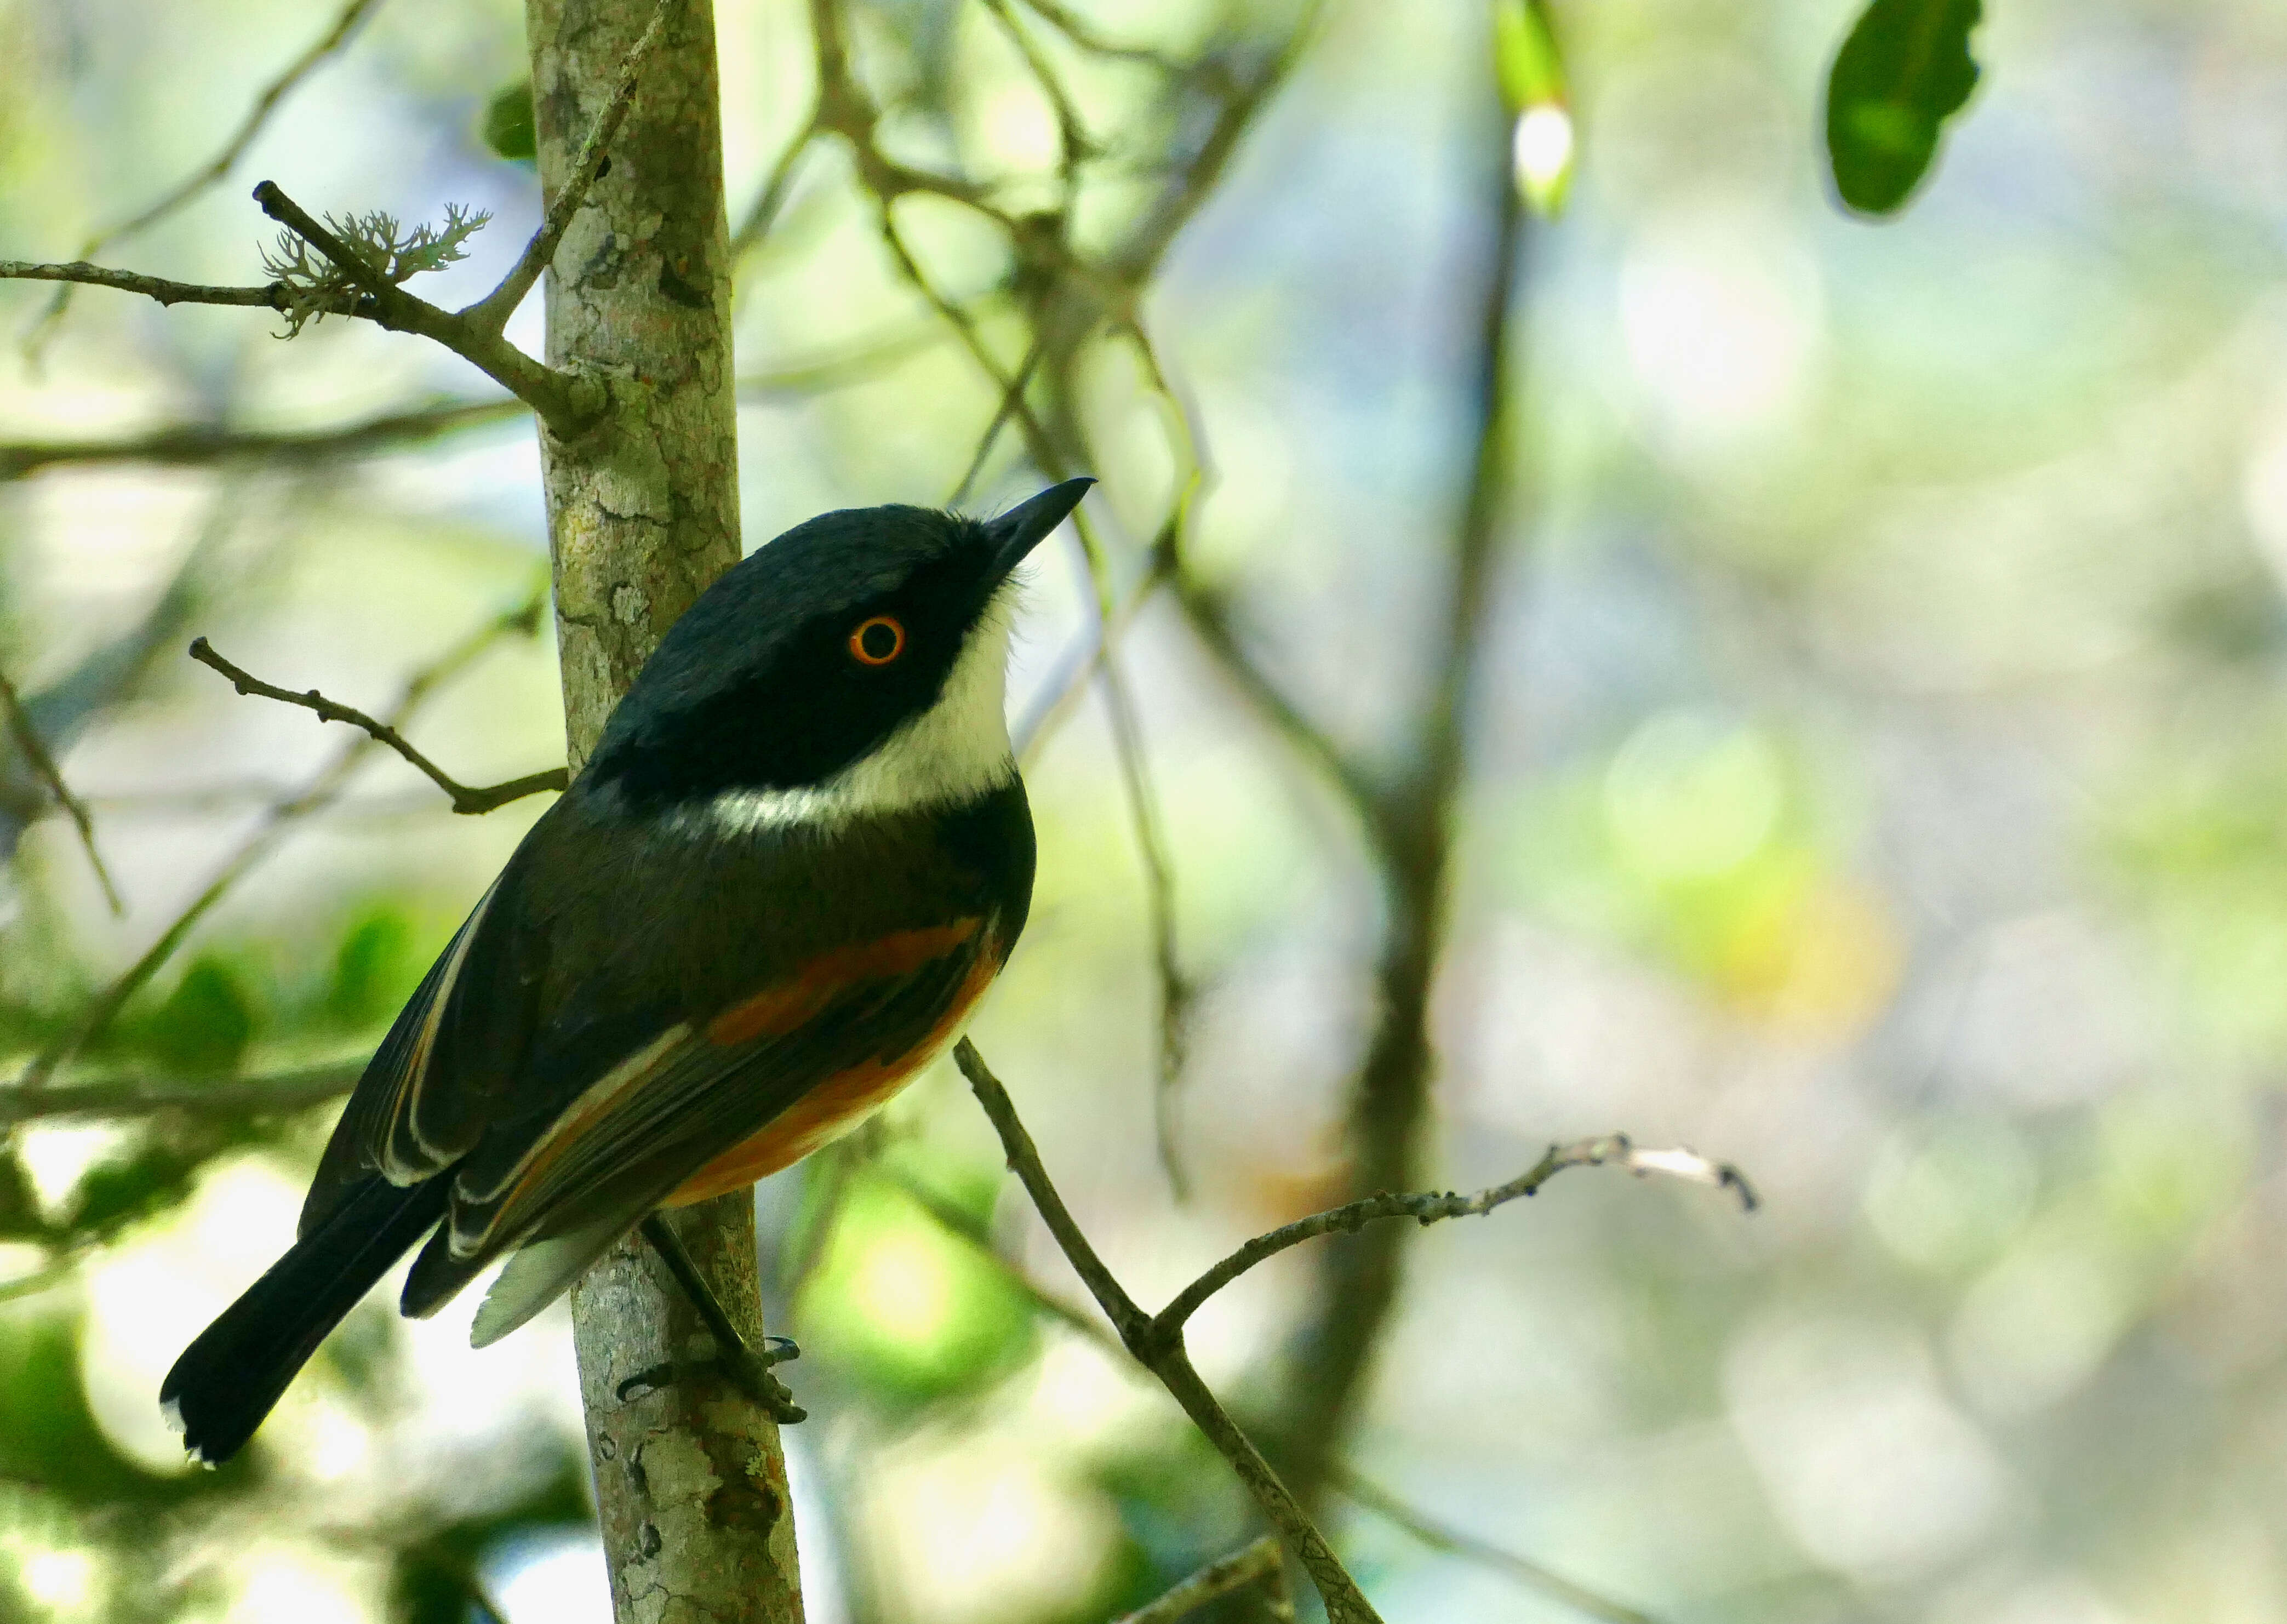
x=877, y=641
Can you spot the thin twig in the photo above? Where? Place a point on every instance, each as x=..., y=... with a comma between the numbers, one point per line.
x=1074, y=146
x=772, y=198
x=964, y=1228
x=270, y=295
x=198, y=445
x=1011, y=397
x=1083, y=33
x=216, y=167
x=243, y=136
x=1165, y=1358
x=468, y=800
x=1352, y=1485
x=491, y=313
x=35, y=751
x=1610, y=1150
x=323, y=788
x=1160, y=901
x=1225, y=1576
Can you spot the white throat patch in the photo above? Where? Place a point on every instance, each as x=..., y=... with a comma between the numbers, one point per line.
x=956, y=750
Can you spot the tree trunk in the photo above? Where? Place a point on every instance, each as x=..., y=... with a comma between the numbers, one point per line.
x=643, y=512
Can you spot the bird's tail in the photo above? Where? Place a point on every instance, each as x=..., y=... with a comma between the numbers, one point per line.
x=227, y=1380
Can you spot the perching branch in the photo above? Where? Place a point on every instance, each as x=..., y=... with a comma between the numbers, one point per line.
x=1166, y=1356
x=467, y=800
x=43, y=766
x=1259, y=1563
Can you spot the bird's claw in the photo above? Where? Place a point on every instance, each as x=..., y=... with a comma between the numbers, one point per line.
x=749, y=1370
x=752, y=1372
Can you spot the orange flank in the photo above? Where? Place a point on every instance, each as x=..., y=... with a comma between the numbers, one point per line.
x=783, y=1006
x=838, y=1103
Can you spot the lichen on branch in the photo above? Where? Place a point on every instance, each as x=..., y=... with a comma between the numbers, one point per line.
x=316, y=288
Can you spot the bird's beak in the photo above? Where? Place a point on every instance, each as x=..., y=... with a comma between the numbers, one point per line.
x=1026, y=525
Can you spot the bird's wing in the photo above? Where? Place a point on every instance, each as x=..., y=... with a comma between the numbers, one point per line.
x=376, y=1129
x=625, y=1015
x=699, y=1106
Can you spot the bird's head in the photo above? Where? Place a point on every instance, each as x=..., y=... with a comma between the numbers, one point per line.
x=854, y=664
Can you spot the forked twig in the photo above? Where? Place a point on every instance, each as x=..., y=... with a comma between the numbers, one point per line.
x=323, y=788
x=468, y=800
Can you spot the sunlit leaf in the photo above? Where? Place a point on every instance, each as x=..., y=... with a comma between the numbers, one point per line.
x=1904, y=70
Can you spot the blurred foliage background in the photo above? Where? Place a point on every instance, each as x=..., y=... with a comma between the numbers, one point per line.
x=1878, y=742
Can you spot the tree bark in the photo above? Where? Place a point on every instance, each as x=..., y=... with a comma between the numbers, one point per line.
x=643, y=512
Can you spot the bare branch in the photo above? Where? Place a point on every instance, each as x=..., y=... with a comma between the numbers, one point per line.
x=270, y=295
x=567, y=403
x=1348, y=1479
x=467, y=800
x=1011, y=399
x=1251, y=1564
x=1062, y=688
x=35, y=751
x=491, y=313
x=1211, y=624
x=1410, y=829
x=270, y=1094
x=1165, y=1357
x=1612, y=1149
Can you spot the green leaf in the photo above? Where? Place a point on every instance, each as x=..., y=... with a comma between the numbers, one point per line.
x=915, y=1314
x=1904, y=70
x=206, y=1023
x=374, y=971
x=508, y=128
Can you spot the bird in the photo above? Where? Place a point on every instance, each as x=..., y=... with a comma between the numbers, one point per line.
x=798, y=855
